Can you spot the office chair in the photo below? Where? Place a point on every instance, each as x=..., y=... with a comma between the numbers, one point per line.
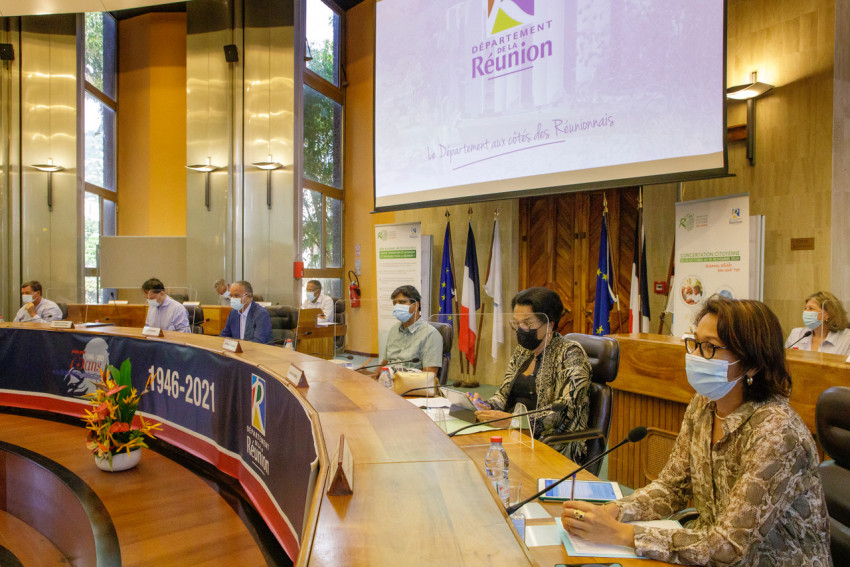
x=604, y=356
x=63, y=307
x=339, y=319
x=196, y=318
x=658, y=445
x=284, y=322
x=446, y=332
x=832, y=418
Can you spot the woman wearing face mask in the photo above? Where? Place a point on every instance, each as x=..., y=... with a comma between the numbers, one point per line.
x=825, y=317
x=743, y=455
x=544, y=369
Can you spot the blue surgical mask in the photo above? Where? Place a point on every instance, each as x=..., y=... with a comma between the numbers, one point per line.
x=810, y=319
x=236, y=302
x=152, y=303
x=709, y=377
x=226, y=294
x=312, y=296
x=402, y=313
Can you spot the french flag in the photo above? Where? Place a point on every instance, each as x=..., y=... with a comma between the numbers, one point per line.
x=470, y=300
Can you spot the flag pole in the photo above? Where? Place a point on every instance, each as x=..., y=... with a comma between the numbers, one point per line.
x=484, y=303
x=454, y=297
x=613, y=272
x=468, y=380
x=639, y=267
x=669, y=288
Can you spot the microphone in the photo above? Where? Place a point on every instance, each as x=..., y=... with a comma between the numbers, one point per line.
x=348, y=356
x=557, y=406
x=808, y=333
x=389, y=363
x=634, y=436
x=115, y=305
x=431, y=387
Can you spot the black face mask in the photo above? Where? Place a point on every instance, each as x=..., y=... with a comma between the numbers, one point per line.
x=528, y=338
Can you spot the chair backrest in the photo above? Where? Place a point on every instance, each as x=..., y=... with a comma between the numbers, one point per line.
x=63, y=307
x=339, y=319
x=603, y=353
x=832, y=417
x=658, y=445
x=196, y=318
x=179, y=297
x=284, y=322
x=445, y=331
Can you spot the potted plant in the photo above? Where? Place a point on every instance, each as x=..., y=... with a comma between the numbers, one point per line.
x=113, y=437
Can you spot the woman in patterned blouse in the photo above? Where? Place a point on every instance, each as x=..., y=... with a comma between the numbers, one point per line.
x=743, y=455
x=545, y=368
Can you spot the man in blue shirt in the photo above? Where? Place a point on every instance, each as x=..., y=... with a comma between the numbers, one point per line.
x=163, y=312
x=247, y=321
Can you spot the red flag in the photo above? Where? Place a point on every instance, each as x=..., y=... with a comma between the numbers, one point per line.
x=470, y=300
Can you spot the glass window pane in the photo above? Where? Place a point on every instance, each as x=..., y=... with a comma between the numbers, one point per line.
x=110, y=218
x=323, y=40
x=311, y=238
x=100, y=143
x=100, y=52
x=322, y=139
x=91, y=289
x=92, y=230
x=333, y=233
x=332, y=287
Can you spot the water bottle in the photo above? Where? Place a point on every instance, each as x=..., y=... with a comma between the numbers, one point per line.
x=288, y=344
x=385, y=379
x=496, y=467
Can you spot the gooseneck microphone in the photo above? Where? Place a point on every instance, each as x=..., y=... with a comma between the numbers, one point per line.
x=557, y=406
x=634, y=436
x=808, y=333
x=414, y=360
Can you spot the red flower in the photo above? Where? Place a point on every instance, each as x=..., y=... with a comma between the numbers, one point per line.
x=118, y=427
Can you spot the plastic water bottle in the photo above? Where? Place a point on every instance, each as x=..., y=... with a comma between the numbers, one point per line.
x=288, y=344
x=496, y=467
x=385, y=379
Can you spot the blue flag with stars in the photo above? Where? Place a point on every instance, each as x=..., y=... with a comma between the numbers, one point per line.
x=447, y=281
x=605, y=298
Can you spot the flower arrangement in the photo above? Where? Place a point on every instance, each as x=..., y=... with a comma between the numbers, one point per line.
x=110, y=423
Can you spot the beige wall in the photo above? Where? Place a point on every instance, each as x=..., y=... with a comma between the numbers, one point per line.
x=152, y=133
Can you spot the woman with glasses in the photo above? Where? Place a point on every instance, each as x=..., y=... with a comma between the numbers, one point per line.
x=544, y=369
x=743, y=456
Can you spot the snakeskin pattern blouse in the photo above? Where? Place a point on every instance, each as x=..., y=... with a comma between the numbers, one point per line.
x=757, y=490
x=564, y=376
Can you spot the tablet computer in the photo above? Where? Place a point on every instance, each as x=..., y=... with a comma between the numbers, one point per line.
x=458, y=398
x=588, y=490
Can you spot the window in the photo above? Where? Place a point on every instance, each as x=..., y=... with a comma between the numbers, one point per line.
x=321, y=184
x=99, y=110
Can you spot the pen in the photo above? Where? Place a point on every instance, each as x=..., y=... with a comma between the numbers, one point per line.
x=573, y=489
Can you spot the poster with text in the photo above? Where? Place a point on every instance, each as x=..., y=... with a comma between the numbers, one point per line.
x=712, y=255
x=398, y=262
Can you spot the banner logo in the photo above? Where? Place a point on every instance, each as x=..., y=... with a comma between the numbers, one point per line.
x=506, y=14
x=687, y=222
x=258, y=403
x=86, y=366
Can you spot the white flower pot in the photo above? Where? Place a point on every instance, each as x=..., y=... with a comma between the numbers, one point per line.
x=120, y=462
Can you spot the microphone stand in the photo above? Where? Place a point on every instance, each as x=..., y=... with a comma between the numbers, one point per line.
x=387, y=364
x=634, y=436
x=808, y=333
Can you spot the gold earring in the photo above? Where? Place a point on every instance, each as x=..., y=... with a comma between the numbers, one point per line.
x=749, y=380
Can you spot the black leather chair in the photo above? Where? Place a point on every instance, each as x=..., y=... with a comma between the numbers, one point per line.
x=179, y=297
x=604, y=356
x=339, y=318
x=832, y=417
x=63, y=307
x=196, y=318
x=284, y=322
x=446, y=332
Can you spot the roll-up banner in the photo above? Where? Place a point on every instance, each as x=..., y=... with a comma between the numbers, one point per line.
x=712, y=255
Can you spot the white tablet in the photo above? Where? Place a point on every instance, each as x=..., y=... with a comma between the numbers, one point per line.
x=588, y=490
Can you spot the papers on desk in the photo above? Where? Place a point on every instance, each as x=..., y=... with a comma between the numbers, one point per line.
x=577, y=547
x=430, y=402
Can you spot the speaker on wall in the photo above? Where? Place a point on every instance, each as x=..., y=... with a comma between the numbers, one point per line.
x=231, y=53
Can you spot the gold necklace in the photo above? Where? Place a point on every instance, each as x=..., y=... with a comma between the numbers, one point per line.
x=717, y=415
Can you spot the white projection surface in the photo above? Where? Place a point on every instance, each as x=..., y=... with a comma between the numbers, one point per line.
x=482, y=98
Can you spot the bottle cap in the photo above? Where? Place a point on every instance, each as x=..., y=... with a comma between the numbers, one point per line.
x=496, y=439
x=387, y=368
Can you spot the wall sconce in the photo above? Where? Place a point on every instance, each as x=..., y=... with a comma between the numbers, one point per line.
x=50, y=168
x=750, y=92
x=206, y=168
x=268, y=166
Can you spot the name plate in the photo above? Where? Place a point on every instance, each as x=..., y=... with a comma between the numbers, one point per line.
x=195, y=303
x=152, y=332
x=232, y=345
x=297, y=377
x=342, y=471
x=61, y=325
x=118, y=302
x=264, y=303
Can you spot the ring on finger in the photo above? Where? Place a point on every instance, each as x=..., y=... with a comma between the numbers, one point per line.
x=579, y=515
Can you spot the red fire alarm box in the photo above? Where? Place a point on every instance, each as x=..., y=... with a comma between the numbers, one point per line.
x=660, y=288
x=299, y=270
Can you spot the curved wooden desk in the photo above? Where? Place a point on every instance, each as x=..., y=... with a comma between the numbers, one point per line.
x=418, y=498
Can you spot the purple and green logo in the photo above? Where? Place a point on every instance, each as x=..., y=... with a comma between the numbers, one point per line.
x=506, y=14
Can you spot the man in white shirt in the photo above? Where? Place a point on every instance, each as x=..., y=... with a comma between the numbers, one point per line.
x=36, y=309
x=164, y=312
x=315, y=300
x=222, y=288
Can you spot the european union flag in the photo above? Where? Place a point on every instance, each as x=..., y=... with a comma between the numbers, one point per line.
x=605, y=298
x=447, y=281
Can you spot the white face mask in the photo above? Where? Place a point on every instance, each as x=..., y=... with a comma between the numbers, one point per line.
x=810, y=319
x=226, y=294
x=236, y=303
x=153, y=303
x=312, y=296
x=402, y=313
x=26, y=299
x=709, y=377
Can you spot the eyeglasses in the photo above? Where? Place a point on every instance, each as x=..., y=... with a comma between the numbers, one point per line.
x=706, y=349
x=525, y=325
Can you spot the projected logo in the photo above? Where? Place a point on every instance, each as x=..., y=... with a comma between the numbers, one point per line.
x=506, y=14
x=258, y=403
x=735, y=217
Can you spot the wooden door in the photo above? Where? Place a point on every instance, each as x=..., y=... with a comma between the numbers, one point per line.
x=559, y=249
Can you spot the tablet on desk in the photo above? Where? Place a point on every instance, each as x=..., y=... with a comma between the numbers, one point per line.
x=588, y=490
x=458, y=398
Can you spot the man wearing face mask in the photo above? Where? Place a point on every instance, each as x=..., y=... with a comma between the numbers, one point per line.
x=36, y=309
x=164, y=312
x=412, y=337
x=247, y=320
x=314, y=299
x=545, y=368
x=743, y=457
x=222, y=288
x=826, y=322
